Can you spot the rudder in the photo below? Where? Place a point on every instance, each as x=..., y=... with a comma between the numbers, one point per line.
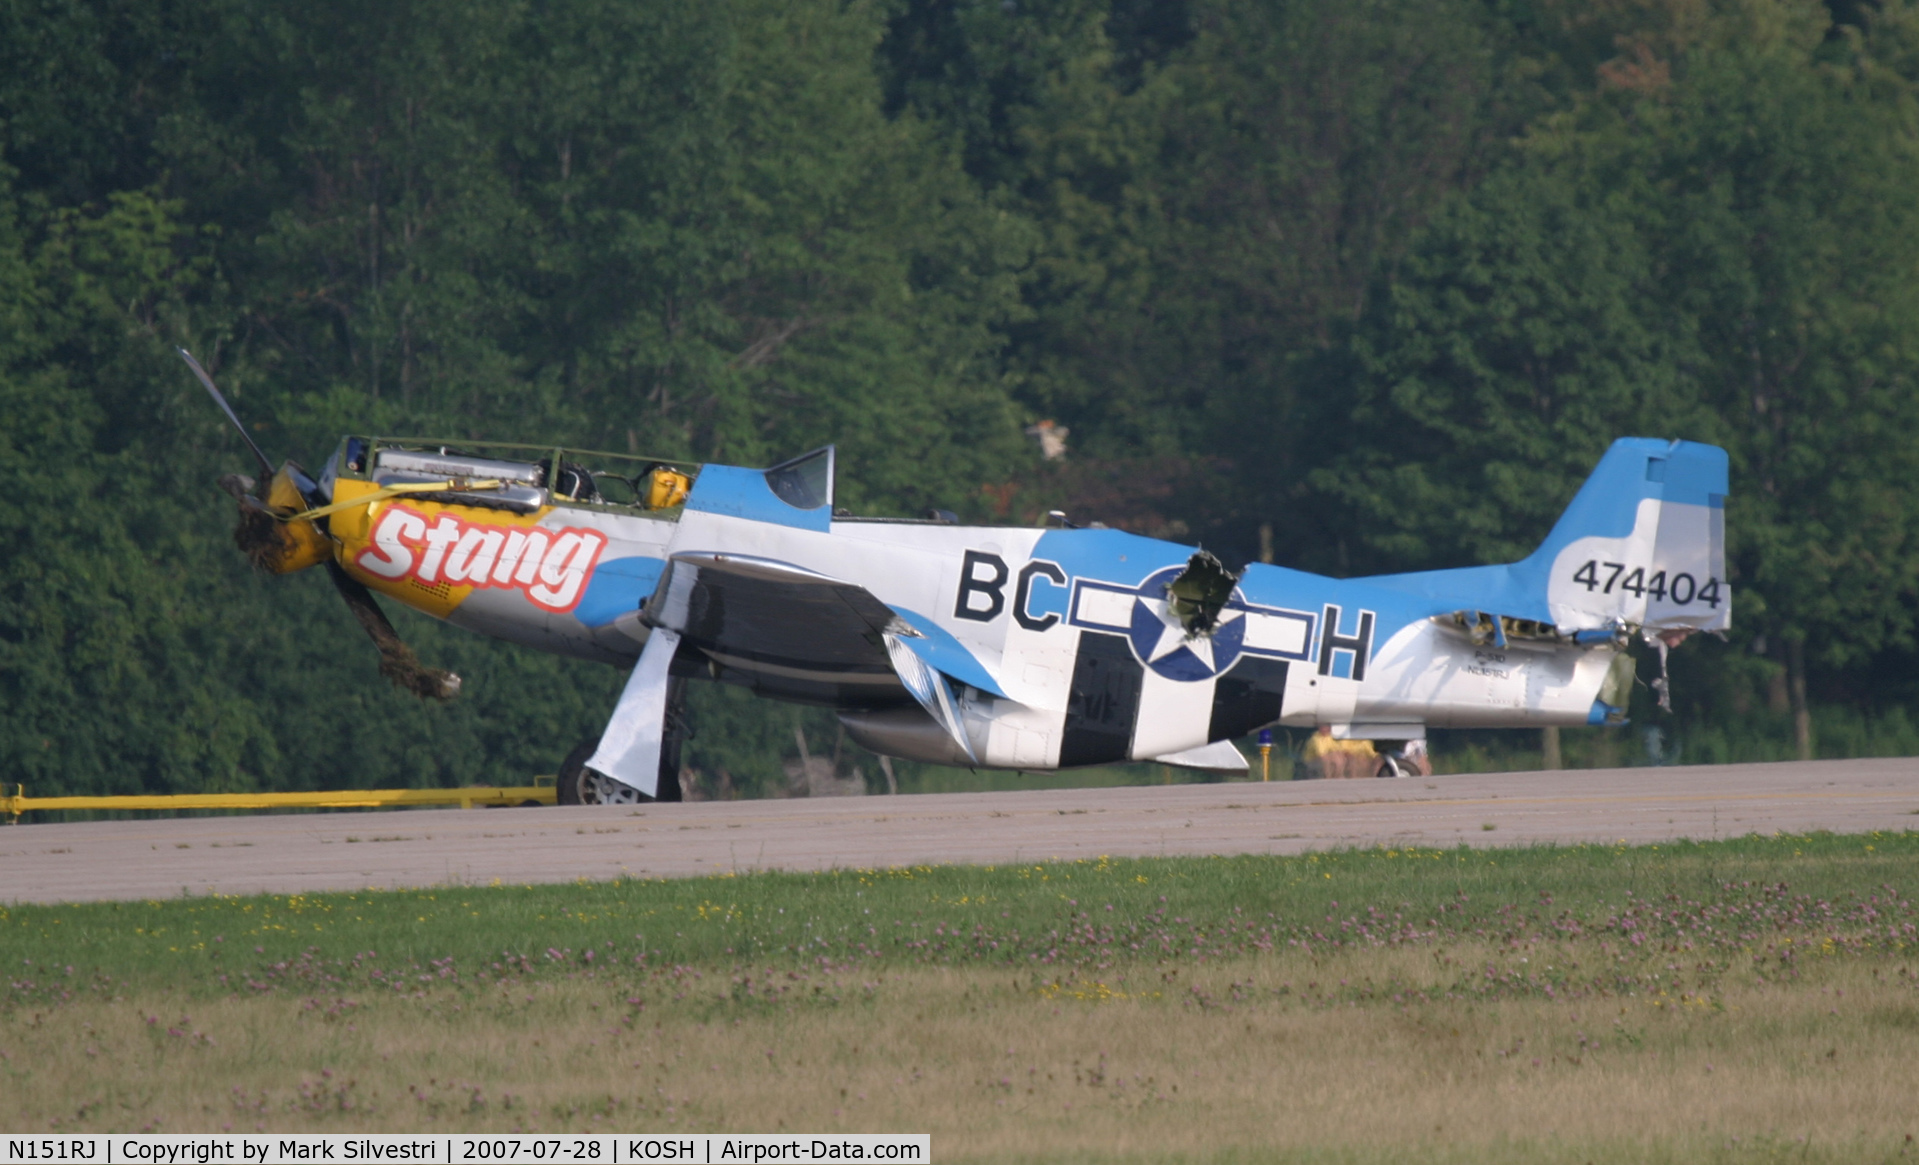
x=1643, y=543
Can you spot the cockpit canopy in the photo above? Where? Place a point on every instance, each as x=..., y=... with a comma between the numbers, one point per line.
x=806, y=482
x=520, y=478
x=523, y=478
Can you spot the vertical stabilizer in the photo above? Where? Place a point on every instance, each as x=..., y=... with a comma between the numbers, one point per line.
x=1643, y=543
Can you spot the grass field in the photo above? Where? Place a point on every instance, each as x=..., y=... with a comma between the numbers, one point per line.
x=1755, y=999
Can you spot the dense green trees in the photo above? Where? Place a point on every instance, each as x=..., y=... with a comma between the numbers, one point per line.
x=1725, y=250
x=1379, y=278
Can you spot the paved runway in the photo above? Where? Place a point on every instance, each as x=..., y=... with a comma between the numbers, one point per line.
x=351, y=851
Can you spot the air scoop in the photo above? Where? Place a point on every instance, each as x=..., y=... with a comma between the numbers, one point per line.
x=1200, y=592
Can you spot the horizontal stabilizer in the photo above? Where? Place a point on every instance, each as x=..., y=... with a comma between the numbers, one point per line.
x=1218, y=757
x=1379, y=732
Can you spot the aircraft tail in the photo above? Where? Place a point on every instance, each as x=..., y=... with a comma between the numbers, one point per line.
x=1643, y=545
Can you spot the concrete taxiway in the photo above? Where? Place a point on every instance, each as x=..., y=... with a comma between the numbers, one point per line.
x=298, y=853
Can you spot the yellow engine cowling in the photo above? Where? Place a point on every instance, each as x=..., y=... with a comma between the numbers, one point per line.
x=276, y=543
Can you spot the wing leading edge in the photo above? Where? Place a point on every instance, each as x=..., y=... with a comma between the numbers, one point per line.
x=789, y=633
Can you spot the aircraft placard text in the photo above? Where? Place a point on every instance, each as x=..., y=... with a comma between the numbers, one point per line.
x=1682, y=590
x=550, y=566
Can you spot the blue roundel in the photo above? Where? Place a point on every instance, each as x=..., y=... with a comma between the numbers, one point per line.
x=1162, y=645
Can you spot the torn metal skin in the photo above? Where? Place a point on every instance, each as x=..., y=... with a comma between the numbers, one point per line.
x=1489, y=630
x=1663, y=641
x=1200, y=593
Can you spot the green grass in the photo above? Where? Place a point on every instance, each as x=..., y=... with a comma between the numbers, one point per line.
x=1030, y=916
x=1755, y=999
x=939, y=779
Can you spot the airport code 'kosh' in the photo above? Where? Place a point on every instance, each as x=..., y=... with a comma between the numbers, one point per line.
x=595, y=1149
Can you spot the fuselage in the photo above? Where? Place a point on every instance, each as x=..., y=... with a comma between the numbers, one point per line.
x=1059, y=641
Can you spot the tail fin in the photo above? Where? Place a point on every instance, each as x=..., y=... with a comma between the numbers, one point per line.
x=1643, y=543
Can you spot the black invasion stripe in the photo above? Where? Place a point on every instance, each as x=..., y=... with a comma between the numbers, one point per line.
x=1104, y=704
x=1249, y=696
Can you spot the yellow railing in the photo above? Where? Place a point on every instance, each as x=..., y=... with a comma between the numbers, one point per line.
x=466, y=798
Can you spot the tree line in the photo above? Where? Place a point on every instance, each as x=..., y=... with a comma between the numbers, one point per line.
x=1357, y=286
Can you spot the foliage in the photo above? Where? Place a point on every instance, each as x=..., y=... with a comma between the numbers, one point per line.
x=1722, y=257
x=1380, y=280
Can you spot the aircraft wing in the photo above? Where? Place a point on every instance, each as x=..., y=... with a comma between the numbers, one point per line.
x=786, y=632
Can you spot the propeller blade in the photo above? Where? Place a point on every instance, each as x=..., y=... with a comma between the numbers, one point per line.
x=397, y=661
x=266, y=467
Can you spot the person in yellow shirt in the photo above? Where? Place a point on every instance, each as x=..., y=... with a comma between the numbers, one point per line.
x=1325, y=758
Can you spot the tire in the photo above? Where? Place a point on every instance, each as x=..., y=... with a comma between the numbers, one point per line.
x=676, y=735
x=598, y=790
x=1388, y=768
x=571, y=770
x=579, y=785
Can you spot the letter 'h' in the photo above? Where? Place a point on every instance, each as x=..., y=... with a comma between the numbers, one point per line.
x=1330, y=640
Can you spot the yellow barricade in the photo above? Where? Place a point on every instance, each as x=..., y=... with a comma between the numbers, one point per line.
x=466, y=798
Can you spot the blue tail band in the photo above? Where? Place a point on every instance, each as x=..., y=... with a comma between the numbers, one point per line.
x=1633, y=470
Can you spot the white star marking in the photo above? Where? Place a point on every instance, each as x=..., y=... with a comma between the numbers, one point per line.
x=1172, y=635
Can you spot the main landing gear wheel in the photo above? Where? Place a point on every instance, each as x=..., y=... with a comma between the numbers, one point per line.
x=579, y=785
x=582, y=785
x=598, y=790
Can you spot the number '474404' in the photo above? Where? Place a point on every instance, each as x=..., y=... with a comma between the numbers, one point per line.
x=1682, y=589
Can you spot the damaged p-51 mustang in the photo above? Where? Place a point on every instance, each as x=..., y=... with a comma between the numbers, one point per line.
x=988, y=647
